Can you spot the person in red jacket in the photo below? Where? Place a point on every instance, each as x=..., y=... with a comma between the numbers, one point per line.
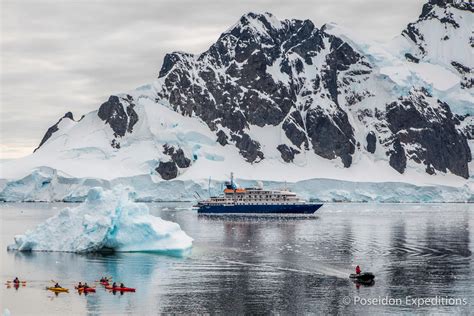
x=358, y=270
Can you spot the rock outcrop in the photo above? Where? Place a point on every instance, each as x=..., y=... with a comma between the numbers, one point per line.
x=169, y=169
x=119, y=114
x=54, y=129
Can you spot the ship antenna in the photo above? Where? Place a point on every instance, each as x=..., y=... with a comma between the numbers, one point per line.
x=232, y=179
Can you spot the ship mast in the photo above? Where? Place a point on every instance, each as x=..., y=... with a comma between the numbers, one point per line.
x=234, y=196
x=209, y=187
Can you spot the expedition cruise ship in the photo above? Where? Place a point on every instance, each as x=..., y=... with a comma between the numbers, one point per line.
x=255, y=201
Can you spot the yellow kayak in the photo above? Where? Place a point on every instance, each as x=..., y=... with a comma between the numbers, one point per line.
x=57, y=289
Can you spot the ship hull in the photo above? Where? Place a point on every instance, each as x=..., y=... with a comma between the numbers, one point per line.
x=259, y=209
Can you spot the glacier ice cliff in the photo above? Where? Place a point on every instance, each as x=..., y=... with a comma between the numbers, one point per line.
x=49, y=185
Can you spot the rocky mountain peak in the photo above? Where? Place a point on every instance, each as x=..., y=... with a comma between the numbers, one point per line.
x=442, y=27
x=458, y=4
x=288, y=91
x=259, y=22
x=54, y=129
x=268, y=72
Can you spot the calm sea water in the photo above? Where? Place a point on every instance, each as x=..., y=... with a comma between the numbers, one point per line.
x=262, y=264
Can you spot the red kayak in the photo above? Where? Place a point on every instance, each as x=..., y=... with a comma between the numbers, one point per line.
x=120, y=289
x=104, y=283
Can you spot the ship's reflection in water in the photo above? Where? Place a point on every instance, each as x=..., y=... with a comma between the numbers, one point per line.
x=266, y=264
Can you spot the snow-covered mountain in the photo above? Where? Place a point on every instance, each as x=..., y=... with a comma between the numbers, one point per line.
x=437, y=36
x=287, y=101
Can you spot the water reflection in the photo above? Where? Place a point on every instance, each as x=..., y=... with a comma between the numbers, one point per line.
x=428, y=257
x=262, y=265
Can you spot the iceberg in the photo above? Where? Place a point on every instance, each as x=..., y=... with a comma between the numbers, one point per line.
x=108, y=220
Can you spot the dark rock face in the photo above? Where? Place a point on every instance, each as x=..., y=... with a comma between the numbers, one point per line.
x=371, y=142
x=112, y=113
x=132, y=117
x=295, y=130
x=432, y=129
x=222, y=138
x=468, y=128
x=467, y=81
x=53, y=129
x=412, y=58
x=331, y=139
x=461, y=68
x=167, y=170
x=248, y=148
x=414, y=34
x=244, y=92
x=398, y=159
x=287, y=153
x=177, y=156
x=180, y=159
x=119, y=114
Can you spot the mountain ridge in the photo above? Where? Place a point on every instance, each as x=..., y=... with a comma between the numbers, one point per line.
x=281, y=93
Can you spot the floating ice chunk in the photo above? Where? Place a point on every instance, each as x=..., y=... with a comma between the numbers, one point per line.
x=107, y=220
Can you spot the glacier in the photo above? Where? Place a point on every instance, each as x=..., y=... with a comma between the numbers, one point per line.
x=48, y=185
x=108, y=220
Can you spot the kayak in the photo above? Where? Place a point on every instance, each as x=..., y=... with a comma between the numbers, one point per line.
x=86, y=290
x=104, y=283
x=57, y=289
x=120, y=289
x=363, y=277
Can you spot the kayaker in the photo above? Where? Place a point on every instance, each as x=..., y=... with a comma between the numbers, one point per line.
x=80, y=286
x=57, y=285
x=121, y=285
x=358, y=271
x=86, y=286
x=16, y=280
x=114, y=285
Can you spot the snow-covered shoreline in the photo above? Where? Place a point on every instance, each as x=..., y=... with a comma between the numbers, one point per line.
x=49, y=185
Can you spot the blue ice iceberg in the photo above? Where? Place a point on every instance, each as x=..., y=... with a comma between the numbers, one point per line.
x=107, y=220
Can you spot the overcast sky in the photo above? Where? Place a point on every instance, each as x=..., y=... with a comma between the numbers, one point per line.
x=59, y=56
